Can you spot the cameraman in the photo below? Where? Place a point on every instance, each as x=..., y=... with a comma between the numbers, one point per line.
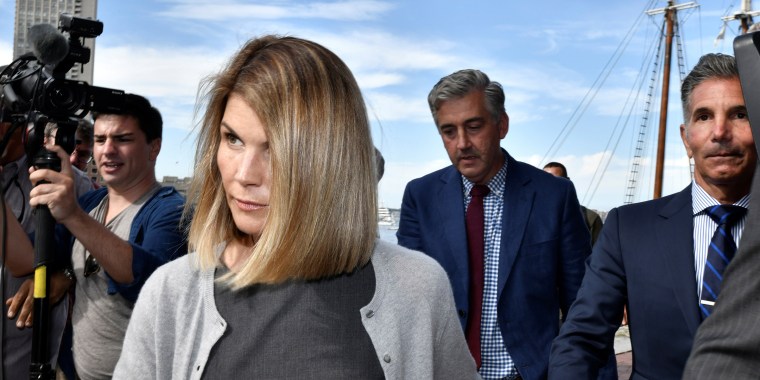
x=122, y=232
x=17, y=279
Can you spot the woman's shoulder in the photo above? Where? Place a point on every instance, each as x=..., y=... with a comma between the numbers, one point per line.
x=174, y=277
x=407, y=266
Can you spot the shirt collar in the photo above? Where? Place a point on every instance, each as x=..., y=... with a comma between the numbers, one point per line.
x=700, y=199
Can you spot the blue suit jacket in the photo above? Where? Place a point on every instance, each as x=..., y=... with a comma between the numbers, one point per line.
x=644, y=259
x=543, y=246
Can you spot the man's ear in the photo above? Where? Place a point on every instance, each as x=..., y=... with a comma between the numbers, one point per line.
x=503, y=125
x=155, y=148
x=685, y=140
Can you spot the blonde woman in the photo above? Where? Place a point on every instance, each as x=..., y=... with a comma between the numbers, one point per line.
x=288, y=278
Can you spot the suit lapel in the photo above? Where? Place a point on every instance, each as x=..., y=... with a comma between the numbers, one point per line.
x=518, y=202
x=450, y=206
x=676, y=237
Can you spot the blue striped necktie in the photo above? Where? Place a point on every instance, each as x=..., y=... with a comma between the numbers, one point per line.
x=719, y=254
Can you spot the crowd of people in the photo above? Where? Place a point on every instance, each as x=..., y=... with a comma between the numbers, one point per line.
x=272, y=266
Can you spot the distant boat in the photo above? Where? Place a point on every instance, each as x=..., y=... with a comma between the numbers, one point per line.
x=385, y=218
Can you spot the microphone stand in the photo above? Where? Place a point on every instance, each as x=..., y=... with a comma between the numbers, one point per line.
x=44, y=243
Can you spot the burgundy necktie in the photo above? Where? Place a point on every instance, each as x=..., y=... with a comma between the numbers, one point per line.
x=476, y=248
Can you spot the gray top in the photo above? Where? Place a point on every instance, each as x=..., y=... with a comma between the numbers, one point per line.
x=411, y=321
x=100, y=320
x=296, y=329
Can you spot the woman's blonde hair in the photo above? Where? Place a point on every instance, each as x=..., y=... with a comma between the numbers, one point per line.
x=322, y=218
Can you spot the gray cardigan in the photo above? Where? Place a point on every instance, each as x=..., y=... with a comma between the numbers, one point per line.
x=411, y=321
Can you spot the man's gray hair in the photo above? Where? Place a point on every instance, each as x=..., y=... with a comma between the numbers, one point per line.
x=710, y=66
x=461, y=83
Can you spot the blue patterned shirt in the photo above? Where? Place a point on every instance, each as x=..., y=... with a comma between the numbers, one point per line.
x=496, y=363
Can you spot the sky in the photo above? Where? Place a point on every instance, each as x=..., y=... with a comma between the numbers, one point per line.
x=569, y=69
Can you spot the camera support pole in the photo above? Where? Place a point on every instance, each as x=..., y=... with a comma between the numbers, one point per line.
x=44, y=243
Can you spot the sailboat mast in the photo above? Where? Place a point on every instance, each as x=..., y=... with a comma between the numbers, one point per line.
x=746, y=8
x=670, y=13
x=670, y=20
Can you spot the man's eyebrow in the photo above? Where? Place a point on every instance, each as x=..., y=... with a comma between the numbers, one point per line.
x=476, y=119
x=117, y=135
x=701, y=110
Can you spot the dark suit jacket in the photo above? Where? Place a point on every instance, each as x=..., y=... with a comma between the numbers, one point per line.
x=644, y=259
x=544, y=242
x=727, y=345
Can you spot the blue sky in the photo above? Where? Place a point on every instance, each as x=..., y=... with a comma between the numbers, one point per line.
x=547, y=59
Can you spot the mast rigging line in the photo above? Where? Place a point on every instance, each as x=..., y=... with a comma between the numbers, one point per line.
x=643, y=146
x=618, y=130
x=641, y=137
x=594, y=89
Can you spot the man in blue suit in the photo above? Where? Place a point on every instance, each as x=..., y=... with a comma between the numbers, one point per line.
x=654, y=256
x=533, y=237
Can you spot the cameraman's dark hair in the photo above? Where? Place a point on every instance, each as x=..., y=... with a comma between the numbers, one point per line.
x=710, y=66
x=148, y=117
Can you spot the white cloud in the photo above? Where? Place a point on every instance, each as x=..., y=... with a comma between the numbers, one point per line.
x=355, y=10
x=398, y=174
x=156, y=71
x=370, y=80
x=378, y=50
x=6, y=52
x=389, y=107
x=602, y=189
x=168, y=76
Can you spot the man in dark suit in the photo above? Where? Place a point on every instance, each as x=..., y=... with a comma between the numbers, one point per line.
x=532, y=236
x=655, y=257
x=727, y=345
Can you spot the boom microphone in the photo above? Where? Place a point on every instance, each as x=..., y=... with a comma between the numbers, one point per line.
x=48, y=45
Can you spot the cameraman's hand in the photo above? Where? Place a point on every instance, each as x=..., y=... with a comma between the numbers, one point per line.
x=58, y=194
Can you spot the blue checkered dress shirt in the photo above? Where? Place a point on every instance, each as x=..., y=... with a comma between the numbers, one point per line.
x=496, y=361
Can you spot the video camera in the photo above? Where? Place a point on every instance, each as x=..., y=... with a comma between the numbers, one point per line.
x=34, y=90
x=747, y=53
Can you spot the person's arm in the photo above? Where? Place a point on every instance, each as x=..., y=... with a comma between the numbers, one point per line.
x=585, y=338
x=113, y=254
x=408, y=233
x=575, y=248
x=157, y=238
x=19, y=258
